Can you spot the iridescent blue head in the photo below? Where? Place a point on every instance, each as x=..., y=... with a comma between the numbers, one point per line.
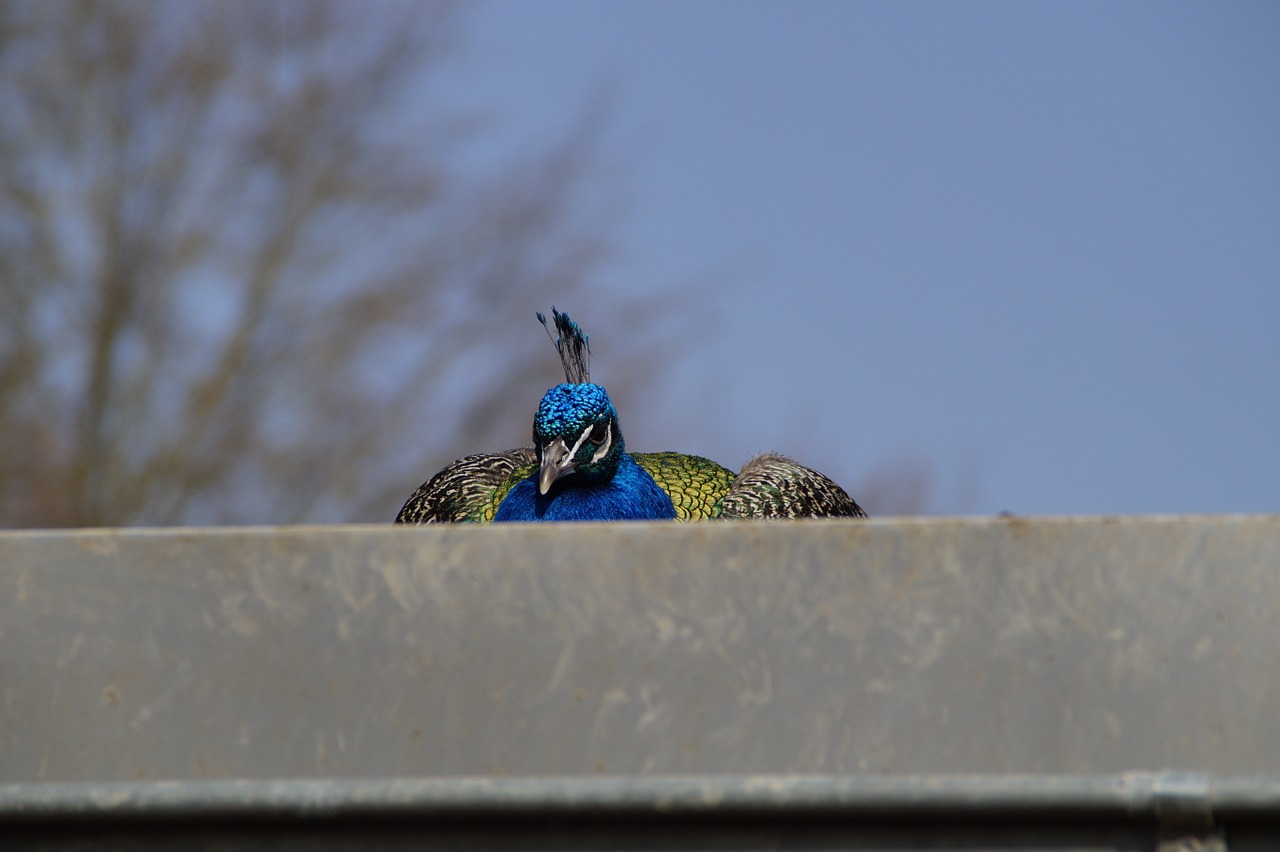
x=576, y=428
x=576, y=432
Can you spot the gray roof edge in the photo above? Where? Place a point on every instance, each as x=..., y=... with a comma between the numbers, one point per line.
x=1164, y=798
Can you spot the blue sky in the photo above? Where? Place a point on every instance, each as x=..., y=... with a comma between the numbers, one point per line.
x=1034, y=245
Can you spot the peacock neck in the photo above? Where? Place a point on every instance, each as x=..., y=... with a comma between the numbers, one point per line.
x=630, y=494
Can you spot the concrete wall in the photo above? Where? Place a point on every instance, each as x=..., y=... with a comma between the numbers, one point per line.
x=1094, y=645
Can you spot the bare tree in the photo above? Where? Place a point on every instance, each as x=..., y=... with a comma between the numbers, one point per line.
x=245, y=268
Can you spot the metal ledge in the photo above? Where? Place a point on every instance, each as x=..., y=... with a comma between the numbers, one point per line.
x=1130, y=811
x=1147, y=798
x=1073, y=645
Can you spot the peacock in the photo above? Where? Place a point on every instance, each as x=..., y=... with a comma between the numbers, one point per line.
x=578, y=469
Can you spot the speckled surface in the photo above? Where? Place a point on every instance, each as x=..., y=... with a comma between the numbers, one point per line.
x=1092, y=645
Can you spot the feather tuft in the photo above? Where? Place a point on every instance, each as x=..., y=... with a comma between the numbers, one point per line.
x=573, y=345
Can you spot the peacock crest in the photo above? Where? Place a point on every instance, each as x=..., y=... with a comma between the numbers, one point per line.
x=573, y=345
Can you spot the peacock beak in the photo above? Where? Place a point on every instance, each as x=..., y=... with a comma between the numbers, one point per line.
x=556, y=462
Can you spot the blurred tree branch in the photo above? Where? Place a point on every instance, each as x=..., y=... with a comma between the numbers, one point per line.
x=242, y=262
x=902, y=487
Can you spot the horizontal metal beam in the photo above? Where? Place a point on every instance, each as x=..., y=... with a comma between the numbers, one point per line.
x=1146, y=797
x=1070, y=645
x=986, y=683
x=1133, y=810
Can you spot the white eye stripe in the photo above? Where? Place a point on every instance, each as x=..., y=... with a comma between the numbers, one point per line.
x=608, y=442
x=604, y=448
x=573, y=451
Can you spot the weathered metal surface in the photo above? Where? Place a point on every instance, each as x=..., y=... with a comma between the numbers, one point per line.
x=977, y=646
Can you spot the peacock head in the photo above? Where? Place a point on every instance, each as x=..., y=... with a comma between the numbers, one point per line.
x=576, y=427
x=576, y=432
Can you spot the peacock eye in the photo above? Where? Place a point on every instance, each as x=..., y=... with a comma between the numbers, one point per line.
x=598, y=433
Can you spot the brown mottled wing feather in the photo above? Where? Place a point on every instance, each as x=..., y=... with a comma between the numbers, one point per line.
x=467, y=489
x=773, y=486
x=695, y=485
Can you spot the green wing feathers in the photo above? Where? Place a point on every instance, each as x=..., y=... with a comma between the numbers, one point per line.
x=695, y=485
x=774, y=486
x=769, y=486
x=469, y=489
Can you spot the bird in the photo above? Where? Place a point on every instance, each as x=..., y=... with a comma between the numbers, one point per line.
x=578, y=469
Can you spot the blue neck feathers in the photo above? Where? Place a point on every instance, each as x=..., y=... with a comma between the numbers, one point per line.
x=631, y=495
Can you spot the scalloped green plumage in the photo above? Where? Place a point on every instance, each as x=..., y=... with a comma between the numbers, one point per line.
x=770, y=486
